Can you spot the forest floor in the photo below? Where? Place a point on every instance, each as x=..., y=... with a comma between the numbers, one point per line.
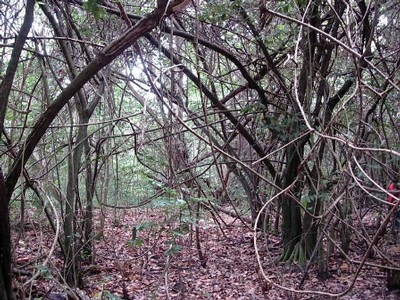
x=159, y=259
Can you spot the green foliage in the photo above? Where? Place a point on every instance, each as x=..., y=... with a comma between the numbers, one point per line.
x=173, y=249
x=110, y=296
x=290, y=6
x=93, y=6
x=253, y=108
x=44, y=271
x=181, y=230
x=285, y=6
x=286, y=128
x=135, y=241
x=218, y=11
x=171, y=203
x=307, y=201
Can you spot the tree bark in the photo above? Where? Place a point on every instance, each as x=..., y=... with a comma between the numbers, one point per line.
x=291, y=213
x=5, y=244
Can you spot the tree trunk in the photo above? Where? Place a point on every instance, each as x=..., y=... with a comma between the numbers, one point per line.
x=6, y=292
x=88, y=223
x=310, y=226
x=291, y=212
x=71, y=263
x=345, y=211
x=312, y=209
x=102, y=197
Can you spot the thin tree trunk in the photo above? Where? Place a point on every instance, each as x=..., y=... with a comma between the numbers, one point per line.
x=291, y=212
x=6, y=292
x=71, y=270
x=88, y=223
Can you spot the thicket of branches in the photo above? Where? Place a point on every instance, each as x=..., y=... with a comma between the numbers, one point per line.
x=282, y=112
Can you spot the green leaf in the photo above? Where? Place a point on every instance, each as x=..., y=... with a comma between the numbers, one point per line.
x=93, y=7
x=138, y=243
x=304, y=201
x=111, y=296
x=173, y=249
x=44, y=271
x=135, y=243
x=281, y=27
x=178, y=232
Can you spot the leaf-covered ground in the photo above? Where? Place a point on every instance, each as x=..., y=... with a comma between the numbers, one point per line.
x=146, y=255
